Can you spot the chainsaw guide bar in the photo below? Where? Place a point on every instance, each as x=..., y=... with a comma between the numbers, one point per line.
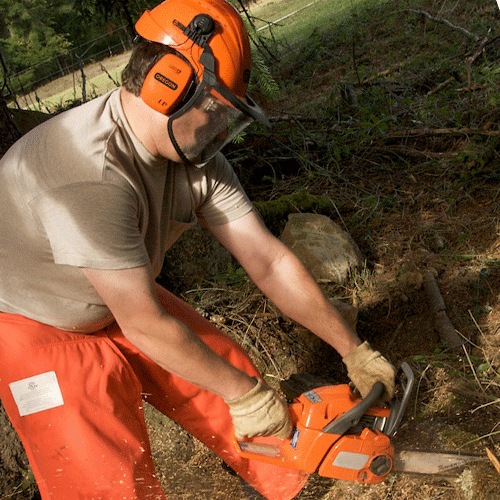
x=444, y=464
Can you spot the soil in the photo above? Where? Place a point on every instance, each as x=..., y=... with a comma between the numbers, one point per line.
x=411, y=207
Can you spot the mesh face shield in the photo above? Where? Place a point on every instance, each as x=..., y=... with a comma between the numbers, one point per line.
x=199, y=131
x=211, y=118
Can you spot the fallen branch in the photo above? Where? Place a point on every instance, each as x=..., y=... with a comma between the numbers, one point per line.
x=294, y=118
x=442, y=323
x=484, y=43
x=386, y=72
x=476, y=86
x=415, y=132
x=467, y=33
x=472, y=392
x=405, y=151
x=441, y=86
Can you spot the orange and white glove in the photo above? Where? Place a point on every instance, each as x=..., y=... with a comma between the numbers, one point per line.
x=366, y=366
x=260, y=412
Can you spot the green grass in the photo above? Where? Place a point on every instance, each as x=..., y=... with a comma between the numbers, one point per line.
x=98, y=85
x=304, y=17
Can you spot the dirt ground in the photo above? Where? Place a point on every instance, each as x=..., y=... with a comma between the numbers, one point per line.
x=455, y=404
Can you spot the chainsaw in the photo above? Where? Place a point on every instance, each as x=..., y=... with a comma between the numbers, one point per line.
x=339, y=435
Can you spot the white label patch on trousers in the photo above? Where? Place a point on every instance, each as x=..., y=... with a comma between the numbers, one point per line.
x=37, y=393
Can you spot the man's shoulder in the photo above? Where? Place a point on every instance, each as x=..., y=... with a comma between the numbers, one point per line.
x=218, y=165
x=68, y=148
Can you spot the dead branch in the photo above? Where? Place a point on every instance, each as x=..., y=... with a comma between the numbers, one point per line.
x=476, y=86
x=386, y=72
x=294, y=118
x=442, y=323
x=441, y=86
x=473, y=393
x=465, y=32
x=405, y=151
x=417, y=132
x=482, y=46
x=110, y=76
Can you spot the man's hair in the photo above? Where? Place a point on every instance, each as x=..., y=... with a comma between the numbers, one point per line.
x=144, y=56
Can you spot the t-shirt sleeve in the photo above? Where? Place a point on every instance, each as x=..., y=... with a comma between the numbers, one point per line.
x=226, y=199
x=92, y=225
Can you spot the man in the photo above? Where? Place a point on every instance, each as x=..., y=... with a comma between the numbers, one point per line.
x=91, y=200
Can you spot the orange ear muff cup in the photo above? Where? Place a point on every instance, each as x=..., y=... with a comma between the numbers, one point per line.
x=167, y=83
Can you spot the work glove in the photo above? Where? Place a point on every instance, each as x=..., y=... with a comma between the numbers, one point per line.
x=260, y=412
x=366, y=366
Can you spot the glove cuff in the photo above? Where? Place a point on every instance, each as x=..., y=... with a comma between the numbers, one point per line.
x=248, y=399
x=362, y=355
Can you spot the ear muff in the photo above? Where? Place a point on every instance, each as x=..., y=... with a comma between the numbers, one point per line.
x=167, y=84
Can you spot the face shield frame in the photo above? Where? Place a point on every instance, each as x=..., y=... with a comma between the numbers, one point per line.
x=209, y=80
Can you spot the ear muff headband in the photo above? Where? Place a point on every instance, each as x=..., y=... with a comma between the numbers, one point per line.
x=167, y=84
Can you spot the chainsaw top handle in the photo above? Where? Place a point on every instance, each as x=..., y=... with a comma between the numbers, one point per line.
x=352, y=417
x=398, y=406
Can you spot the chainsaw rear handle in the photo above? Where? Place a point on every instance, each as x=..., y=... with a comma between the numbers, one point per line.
x=350, y=418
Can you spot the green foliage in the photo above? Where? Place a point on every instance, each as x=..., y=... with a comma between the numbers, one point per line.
x=31, y=39
x=29, y=36
x=232, y=276
x=124, y=10
x=262, y=79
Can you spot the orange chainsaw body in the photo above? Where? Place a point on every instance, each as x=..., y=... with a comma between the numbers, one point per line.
x=361, y=453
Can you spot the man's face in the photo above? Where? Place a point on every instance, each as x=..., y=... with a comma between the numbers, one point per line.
x=203, y=129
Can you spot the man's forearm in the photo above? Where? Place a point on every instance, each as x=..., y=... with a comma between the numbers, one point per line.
x=178, y=350
x=295, y=292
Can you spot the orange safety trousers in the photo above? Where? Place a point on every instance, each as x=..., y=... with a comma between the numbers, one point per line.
x=94, y=444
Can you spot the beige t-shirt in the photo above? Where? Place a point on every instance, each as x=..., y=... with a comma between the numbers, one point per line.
x=80, y=190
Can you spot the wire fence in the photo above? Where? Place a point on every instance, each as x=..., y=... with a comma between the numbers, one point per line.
x=110, y=44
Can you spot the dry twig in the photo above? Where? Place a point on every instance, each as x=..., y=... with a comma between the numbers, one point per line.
x=416, y=132
x=467, y=33
x=493, y=459
x=441, y=86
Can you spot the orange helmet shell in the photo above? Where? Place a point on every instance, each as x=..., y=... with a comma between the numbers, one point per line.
x=229, y=41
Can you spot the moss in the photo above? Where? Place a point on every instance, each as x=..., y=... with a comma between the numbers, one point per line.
x=275, y=212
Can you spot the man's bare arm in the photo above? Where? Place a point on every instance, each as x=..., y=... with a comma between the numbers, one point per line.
x=130, y=295
x=283, y=278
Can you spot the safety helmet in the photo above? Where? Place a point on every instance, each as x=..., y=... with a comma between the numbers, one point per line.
x=208, y=69
x=227, y=37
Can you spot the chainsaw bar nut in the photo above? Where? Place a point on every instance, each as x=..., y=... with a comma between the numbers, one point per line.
x=381, y=465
